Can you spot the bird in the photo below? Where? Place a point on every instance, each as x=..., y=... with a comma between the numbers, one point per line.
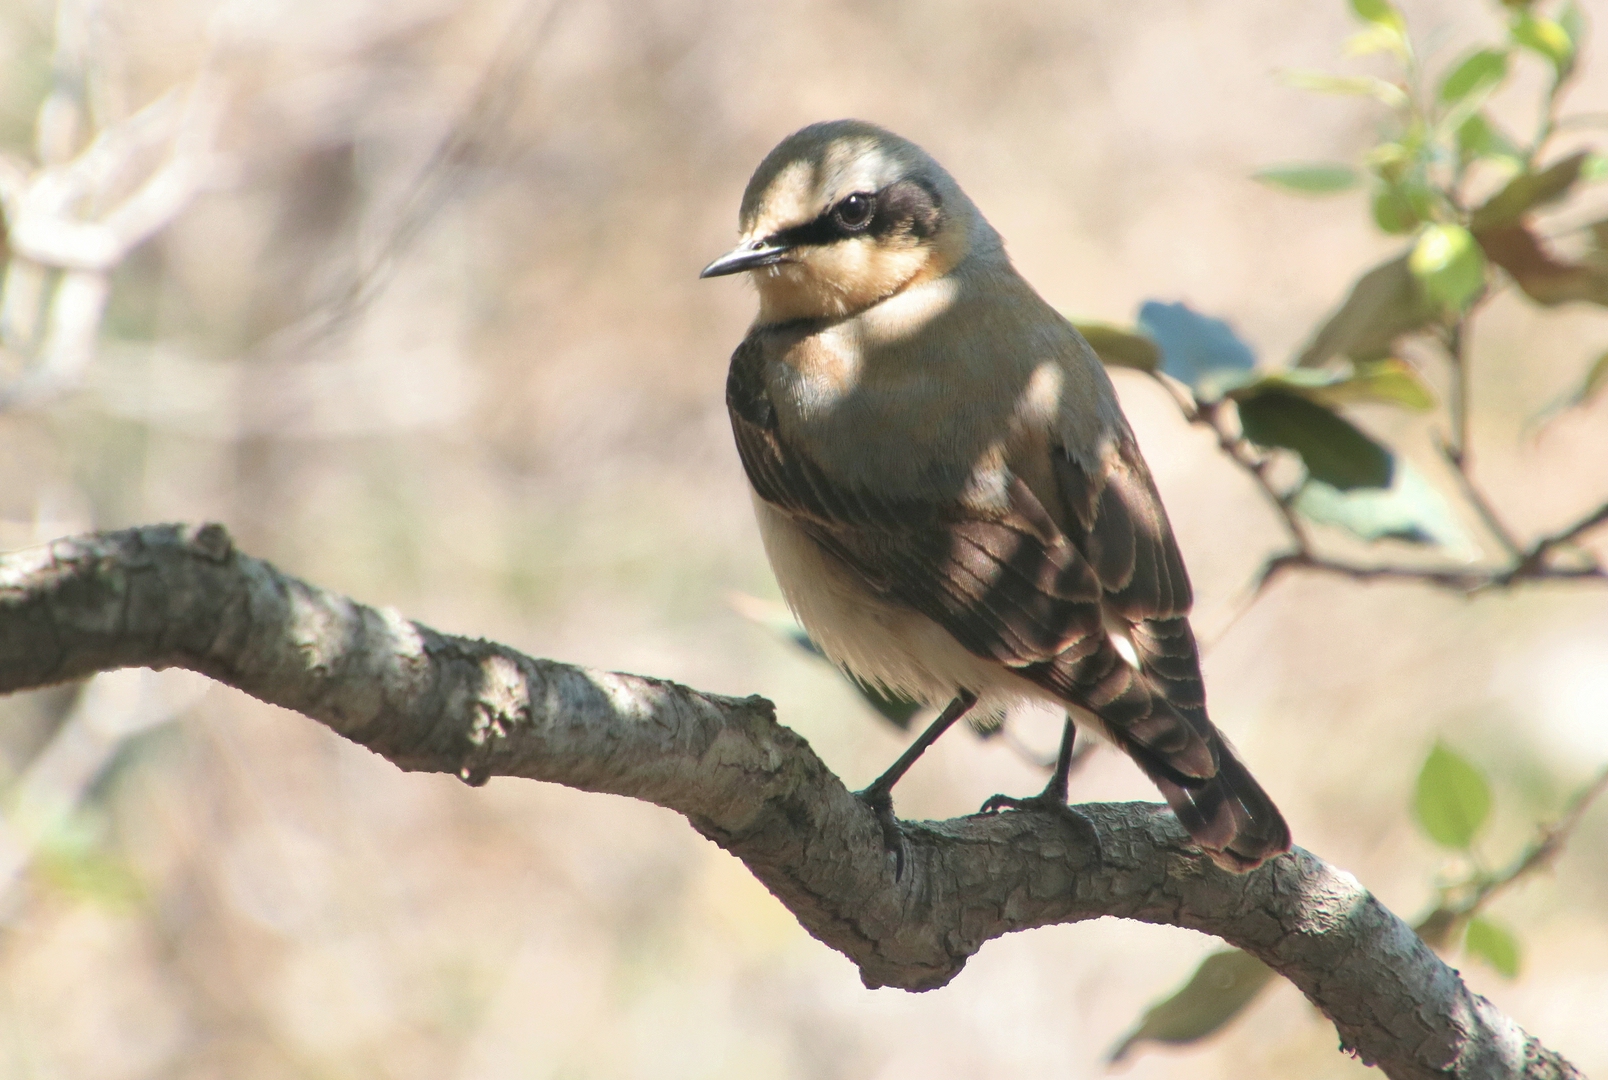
x=947, y=490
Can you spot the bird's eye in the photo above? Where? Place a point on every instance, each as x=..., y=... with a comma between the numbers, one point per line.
x=854, y=212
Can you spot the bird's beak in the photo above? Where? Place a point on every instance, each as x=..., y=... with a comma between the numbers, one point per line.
x=749, y=256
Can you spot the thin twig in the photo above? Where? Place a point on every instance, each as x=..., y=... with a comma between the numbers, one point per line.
x=482, y=121
x=1544, y=546
x=1543, y=850
x=1463, y=579
x=1525, y=564
x=1209, y=414
x=1549, y=124
x=1456, y=447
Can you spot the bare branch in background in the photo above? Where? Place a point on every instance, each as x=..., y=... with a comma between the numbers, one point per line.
x=68, y=225
x=482, y=123
x=172, y=596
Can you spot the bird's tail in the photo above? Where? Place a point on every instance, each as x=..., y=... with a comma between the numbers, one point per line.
x=1156, y=711
x=1213, y=795
x=1228, y=814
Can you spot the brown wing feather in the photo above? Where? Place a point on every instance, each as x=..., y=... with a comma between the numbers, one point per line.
x=1120, y=526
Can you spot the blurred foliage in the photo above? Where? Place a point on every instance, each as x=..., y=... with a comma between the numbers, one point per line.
x=1409, y=509
x=1197, y=350
x=1439, y=145
x=76, y=858
x=1452, y=799
x=1223, y=984
x=1493, y=944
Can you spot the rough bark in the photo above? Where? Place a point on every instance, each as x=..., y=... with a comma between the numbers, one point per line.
x=173, y=596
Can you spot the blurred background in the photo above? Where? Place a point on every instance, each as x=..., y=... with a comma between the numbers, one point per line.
x=413, y=308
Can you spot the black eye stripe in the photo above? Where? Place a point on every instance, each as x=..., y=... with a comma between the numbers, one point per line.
x=905, y=206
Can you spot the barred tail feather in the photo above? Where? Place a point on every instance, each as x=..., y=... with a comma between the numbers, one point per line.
x=1228, y=815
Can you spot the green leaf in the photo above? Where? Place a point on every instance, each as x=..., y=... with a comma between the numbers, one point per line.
x=1477, y=137
x=1409, y=510
x=1374, y=39
x=1573, y=25
x=1392, y=161
x=1117, y=347
x=1494, y=944
x=1448, y=264
x=1333, y=449
x=1348, y=85
x=1395, y=211
x=1197, y=350
x=1545, y=279
x=1529, y=191
x=1383, y=382
x=1218, y=991
x=1381, y=13
x=1481, y=71
x=1385, y=304
x=1545, y=38
x=1452, y=798
x=1309, y=179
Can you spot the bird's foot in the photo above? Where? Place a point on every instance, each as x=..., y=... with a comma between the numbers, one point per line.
x=1052, y=797
x=1044, y=800
x=1049, y=801
x=880, y=802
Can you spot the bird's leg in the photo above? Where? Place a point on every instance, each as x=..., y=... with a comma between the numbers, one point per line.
x=1053, y=797
x=881, y=788
x=879, y=795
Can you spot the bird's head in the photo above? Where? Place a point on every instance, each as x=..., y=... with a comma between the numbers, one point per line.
x=842, y=215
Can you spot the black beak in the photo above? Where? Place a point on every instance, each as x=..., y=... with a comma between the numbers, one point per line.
x=750, y=256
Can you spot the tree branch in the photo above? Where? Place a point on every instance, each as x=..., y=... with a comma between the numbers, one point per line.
x=171, y=596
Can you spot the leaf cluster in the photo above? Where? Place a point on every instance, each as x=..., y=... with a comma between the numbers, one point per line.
x=1465, y=197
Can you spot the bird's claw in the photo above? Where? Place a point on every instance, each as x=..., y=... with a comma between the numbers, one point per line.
x=995, y=803
x=1049, y=802
x=893, y=841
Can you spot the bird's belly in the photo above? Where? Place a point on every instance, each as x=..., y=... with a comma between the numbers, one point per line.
x=879, y=640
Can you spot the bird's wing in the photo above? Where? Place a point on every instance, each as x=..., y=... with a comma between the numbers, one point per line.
x=1006, y=582
x=1114, y=517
